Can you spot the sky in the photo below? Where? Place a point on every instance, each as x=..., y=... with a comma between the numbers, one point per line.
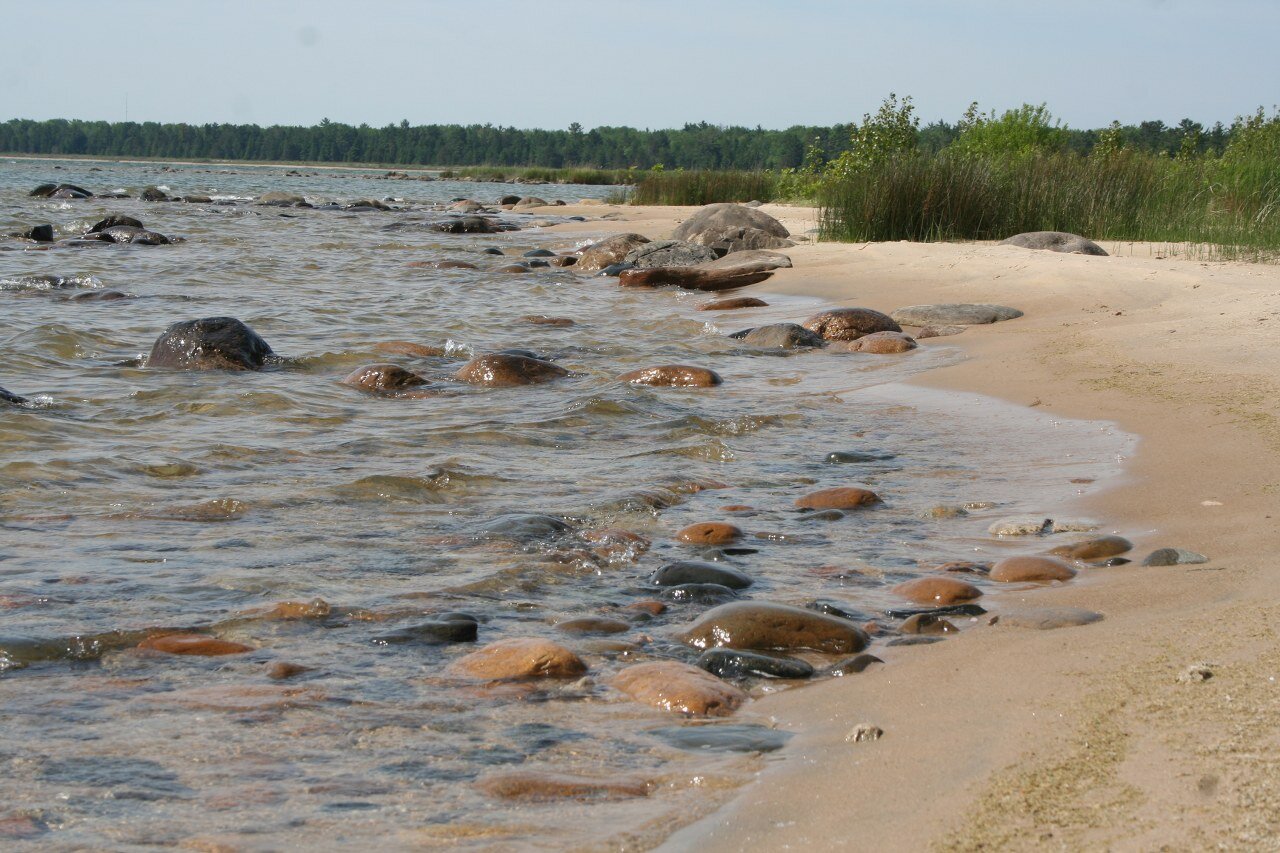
x=642, y=63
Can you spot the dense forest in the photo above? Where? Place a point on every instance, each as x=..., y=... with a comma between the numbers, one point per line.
x=695, y=146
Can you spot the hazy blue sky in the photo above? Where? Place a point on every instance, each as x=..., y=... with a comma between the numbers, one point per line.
x=644, y=63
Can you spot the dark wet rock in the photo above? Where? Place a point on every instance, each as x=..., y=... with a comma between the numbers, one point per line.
x=684, y=572
x=537, y=264
x=195, y=199
x=877, y=343
x=366, y=204
x=673, y=376
x=564, y=261
x=539, y=253
x=824, y=515
x=1031, y=569
x=779, y=335
x=710, y=533
x=284, y=670
x=690, y=278
x=519, y=658
x=716, y=223
x=199, y=645
x=508, y=199
x=616, y=269
x=937, y=591
x=1097, y=548
x=847, y=457
x=112, y=221
x=849, y=324
x=950, y=610
x=760, y=625
x=447, y=264
x=531, y=201
x=608, y=252
x=490, y=250
x=469, y=225
x=383, y=378
x=544, y=320
x=840, y=609
x=435, y=632
x=679, y=687
x=1055, y=241
x=1174, y=557
x=39, y=234
x=278, y=199
x=60, y=191
x=954, y=314
x=214, y=343
x=129, y=234
x=841, y=497
x=734, y=303
x=915, y=640
x=731, y=663
x=541, y=786
x=966, y=567
x=927, y=623
x=100, y=296
x=722, y=738
x=11, y=398
x=853, y=665
x=501, y=370
x=153, y=194
x=706, y=594
x=669, y=253
x=593, y=625
x=1048, y=618
x=524, y=527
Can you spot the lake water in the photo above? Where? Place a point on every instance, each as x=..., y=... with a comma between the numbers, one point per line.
x=134, y=499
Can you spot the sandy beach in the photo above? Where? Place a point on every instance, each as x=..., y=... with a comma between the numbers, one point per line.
x=1081, y=737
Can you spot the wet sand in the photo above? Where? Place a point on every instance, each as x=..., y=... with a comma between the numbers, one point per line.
x=1082, y=737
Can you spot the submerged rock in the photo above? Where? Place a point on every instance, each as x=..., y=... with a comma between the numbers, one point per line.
x=383, y=378
x=1031, y=569
x=200, y=645
x=1098, y=548
x=938, y=590
x=877, y=343
x=733, y=304
x=763, y=625
x=684, y=572
x=710, y=533
x=849, y=324
x=779, y=336
x=436, y=632
x=1048, y=618
x=679, y=687
x=1055, y=241
x=673, y=375
x=11, y=398
x=499, y=370
x=706, y=594
x=723, y=738
x=520, y=658
x=214, y=343
x=842, y=497
x=728, y=663
x=537, y=785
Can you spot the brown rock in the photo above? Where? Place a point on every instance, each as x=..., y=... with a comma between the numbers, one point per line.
x=593, y=625
x=673, y=375
x=680, y=687
x=927, y=623
x=692, y=278
x=653, y=608
x=849, y=324
x=520, y=657
x=967, y=567
x=733, y=304
x=939, y=591
x=315, y=609
x=539, y=786
x=563, y=261
x=764, y=625
x=282, y=670
x=843, y=497
x=544, y=320
x=885, y=343
x=515, y=268
x=505, y=370
x=1098, y=548
x=409, y=348
x=1037, y=569
x=201, y=645
x=938, y=332
x=611, y=251
x=383, y=378
x=709, y=533
x=443, y=265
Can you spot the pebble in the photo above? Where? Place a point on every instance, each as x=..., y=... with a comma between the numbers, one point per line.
x=1173, y=557
x=927, y=623
x=679, y=687
x=853, y=665
x=710, y=533
x=1031, y=569
x=937, y=590
x=864, y=732
x=733, y=304
x=764, y=625
x=1195, y=673
x=518, y=658
x=844, y=497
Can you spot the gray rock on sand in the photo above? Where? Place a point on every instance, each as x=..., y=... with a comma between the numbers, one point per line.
x=214, y=343
x=530, y=201
x=669, y=253
x=1174, y=557
x=1033, y=525
x=779, y=336
x=608, y=252
x=1048, y=618
x=727, y=241
x=1055, y=241
x=750, y=260
x=953, y=314
x=733, y=227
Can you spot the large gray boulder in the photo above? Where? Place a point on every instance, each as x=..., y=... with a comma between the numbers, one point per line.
x=954, y=314
x=1055, y=241
x=610, y=251
x=723, y=217
x=726, y=241
x=669, y=253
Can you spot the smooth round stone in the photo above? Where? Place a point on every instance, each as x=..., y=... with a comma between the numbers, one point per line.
x=722, y=738
x=540, y=786
x=383, y=378
x=710, y=533
x=524, y=527
x=937, y=590
x=927, y=623
x=434, y=633
x=1098, y=548
x=853, y=665
x=761, y=625
x=779, y=336
x=1031, y=569
x=673, y=376
x=699, y=593
x=1174, y=557
x=539, y=253
x=1048, y=618
x=502, y=370
x=679, y=687
x=409, y=348
x=849, y=324
x=733, y=304
x=593, y=625
x=878, y=343
x=954, y=314
x=728, y=663
x=684, y=572
x=198, y=645
x=844, y=497
x=519, y=658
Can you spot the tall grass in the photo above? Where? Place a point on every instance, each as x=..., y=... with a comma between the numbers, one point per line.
x=699, y=187
x=1125, y=196
x=535, y=175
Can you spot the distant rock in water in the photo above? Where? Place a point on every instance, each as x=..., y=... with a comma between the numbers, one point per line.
x=39, y=234
x=501, y=370
x=129, y=234
x=8, y=397
x=383, y=378
x=471, y=225
x=112, y=221
x=60, y=191
x=214, y=343
x=1055, y=241
x=282, y=200
x=153, y=194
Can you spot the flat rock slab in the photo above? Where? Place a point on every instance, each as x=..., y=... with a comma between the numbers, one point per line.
x=1055, y=241
x=1174, y=557
x=1048, y=618
x=954, y=314
x=755, y=260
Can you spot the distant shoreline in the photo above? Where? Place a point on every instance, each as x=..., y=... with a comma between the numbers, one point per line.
x=348, y=167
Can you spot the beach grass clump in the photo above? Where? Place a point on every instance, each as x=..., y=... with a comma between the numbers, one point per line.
x=657, y=186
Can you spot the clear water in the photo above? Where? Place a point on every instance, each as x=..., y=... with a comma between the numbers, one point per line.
x=133, y=499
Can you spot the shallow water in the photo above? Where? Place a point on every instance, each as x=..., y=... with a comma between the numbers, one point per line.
x=133, y=498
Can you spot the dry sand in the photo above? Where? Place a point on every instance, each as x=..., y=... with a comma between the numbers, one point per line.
x=1083, y=737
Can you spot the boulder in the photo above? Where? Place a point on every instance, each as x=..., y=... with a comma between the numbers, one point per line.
x=710, y=533
x=937, y=591
x=597, y=256
x=500, y=370
x=733, y=304
x=11, y=398
x=763, y=625
x=214, y=343
x=519, y=658
x=669, y=253
x=954, y=314
x=779, y=336
x=1031, y=569
x=1055, y=241
x=849, y=324
x=679, y=687
x=692, y=278
x=61, y=191
x=841, y=497
x=383, y=378
x=276, y=199
x=684, y=572
x=673, y=376
x=714, y=220
x=728, y=241
x=112, y=221
x=153, y=194
x=1097, y=548
x=469, y=225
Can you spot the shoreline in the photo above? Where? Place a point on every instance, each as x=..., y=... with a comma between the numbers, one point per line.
x=1084, y=736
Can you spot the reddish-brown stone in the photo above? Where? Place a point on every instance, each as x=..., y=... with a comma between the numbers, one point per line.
x=937, y=591
x=710, y=533
x=673, y=376
x=520, y=657
x=842, y=497
x=201, y=645
x=733, y=304
x=680, y=687
x=1033, y=569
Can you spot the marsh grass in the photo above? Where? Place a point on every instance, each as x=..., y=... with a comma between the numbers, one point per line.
x=704, y=187
x=537, y=175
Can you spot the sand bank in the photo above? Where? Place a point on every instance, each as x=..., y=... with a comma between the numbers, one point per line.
x=1079, y=737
